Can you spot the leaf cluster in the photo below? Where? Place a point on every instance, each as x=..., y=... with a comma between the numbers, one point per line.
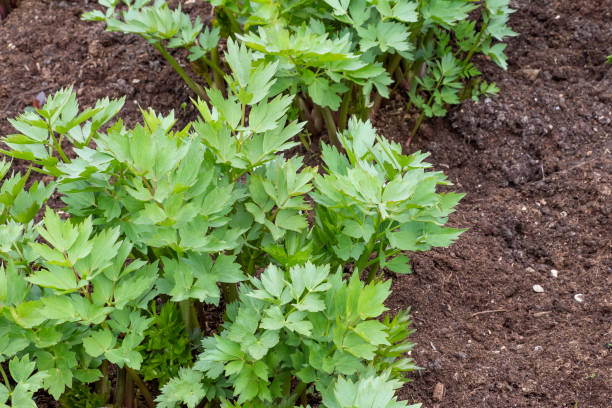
x=188, y=216
x=339, y=57
x=307, y=322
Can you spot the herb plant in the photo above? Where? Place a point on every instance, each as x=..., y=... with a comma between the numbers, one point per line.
x=166, y=346
x=185, y=217
x=304, y=324
x=338, y=57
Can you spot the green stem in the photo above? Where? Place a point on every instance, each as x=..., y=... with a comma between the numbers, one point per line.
x=399, y=78
x=298, y=393
x=201, y=68
x=37, y=170
x=57, y=145
x=128, y=396
x=344, y=108
x=365, y=257
x=120, y=388
x=305, y=115
x=330, y=124
x=394, y=63
x=6, y=380
x=102, y=387
x=476, y=45
x=230, y=292
x=374, y=269
x=305, y=142
x=422, y=115
x=185, y=306
x=236, y=27
x=195, y=87
x=142, y=386
x=217, y=72
x=213, y=63
x=416, y=126
x=251, y=265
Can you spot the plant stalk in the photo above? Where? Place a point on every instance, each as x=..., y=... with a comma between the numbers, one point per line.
x=230, y=292
x=128, y=396
x=120, y=388
x=194, y=86
x=330, y=124
x=217, y=72
x=365, y=257
x=142, y=387
x=185, y=307
x=476, y=44
x=102, y=387
x=6, y=380
x=344, y=108
x=214, y=64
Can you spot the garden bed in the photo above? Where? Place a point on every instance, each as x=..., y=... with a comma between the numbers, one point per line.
x=535, y=162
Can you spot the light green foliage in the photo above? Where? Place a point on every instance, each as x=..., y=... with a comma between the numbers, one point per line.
x=74, y=282
x=371, y=391
x=27, y=383
x=183, y=217
x=43, y=130
x=373, y=199
x=335, y=55
x=308, y=323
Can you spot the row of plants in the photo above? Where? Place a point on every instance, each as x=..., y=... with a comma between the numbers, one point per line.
x=337, y=57
x=107, y=267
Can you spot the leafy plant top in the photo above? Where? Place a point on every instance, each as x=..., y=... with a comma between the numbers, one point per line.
x=185, y=217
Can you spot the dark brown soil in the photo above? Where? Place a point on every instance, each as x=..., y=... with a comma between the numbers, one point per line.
x=536, y=162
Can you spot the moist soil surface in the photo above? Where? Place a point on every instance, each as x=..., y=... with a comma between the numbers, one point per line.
x=535, y=162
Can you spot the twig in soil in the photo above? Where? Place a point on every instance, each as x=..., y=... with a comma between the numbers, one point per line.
x=542, y=313
x=488, y=311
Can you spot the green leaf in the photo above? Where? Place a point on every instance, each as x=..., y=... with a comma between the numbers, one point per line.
x=21, y=369
x=372, y=299
x=273, y=280
x=186, y=388
x=373, y=331
x=59, y=308
x=290, y=220
x=399, y=264
x=266, y=115
x=99, y=342
x=325, y=94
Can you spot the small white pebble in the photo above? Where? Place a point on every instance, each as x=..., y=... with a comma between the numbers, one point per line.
x=554, y=273
x=135, y=81
x=529, y=269
x=563, y=214
x=579, y=297
x=538, y=289
x=524, y=208
x=538, y=348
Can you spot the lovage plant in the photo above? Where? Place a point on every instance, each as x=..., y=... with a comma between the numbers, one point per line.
x=154, y=216
x=339, y=57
